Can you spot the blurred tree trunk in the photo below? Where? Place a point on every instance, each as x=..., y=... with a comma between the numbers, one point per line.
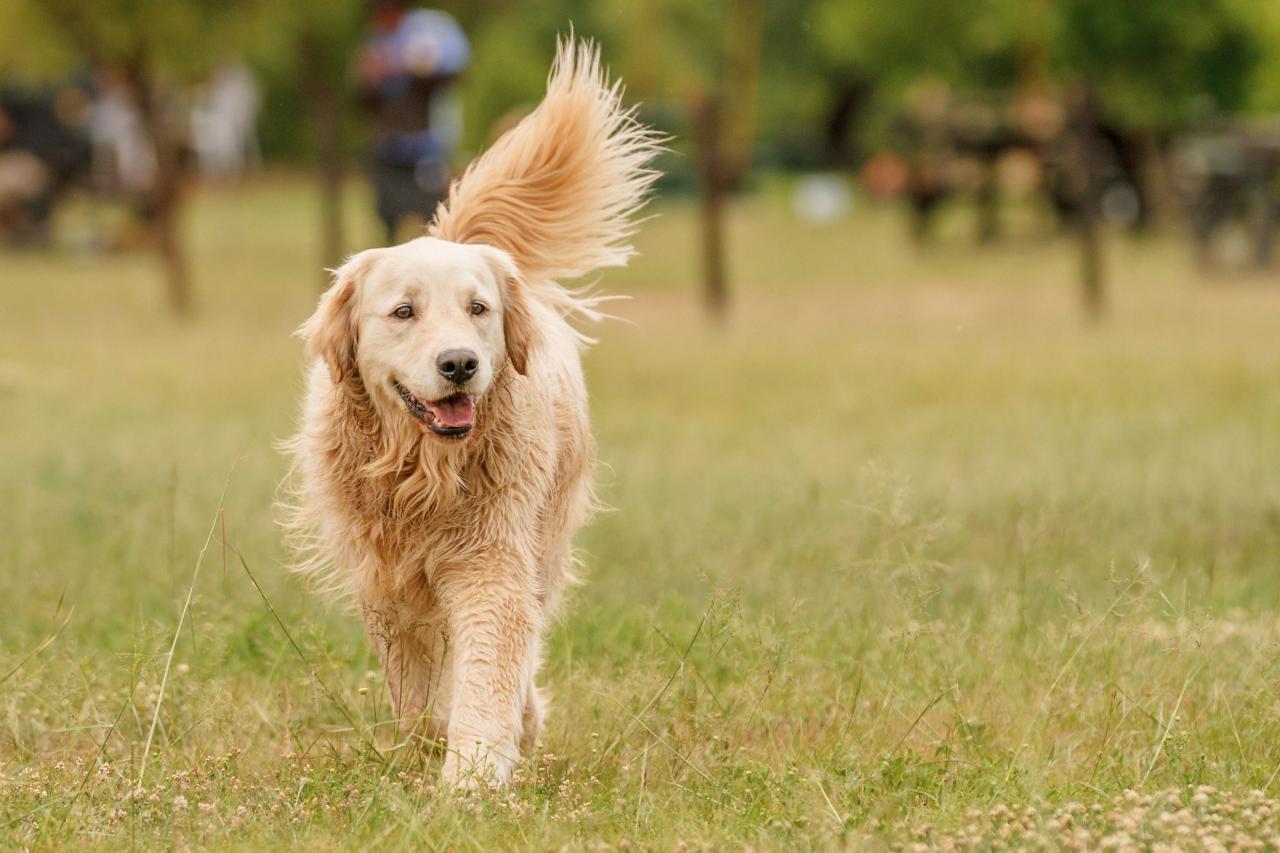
x=167, y=191
x=1266, y=207
x=724, y=134
x=325, y=96
x=713, y=185
x=1164, y=210
x=1082, y=130
x=845, y=115
x=988, y=199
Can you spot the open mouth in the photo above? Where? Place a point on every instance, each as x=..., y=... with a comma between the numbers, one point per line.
x=450, y=417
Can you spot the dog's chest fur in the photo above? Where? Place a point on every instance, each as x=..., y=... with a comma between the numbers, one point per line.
x=449, y=504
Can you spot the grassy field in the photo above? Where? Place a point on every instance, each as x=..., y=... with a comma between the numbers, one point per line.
x=906, y=553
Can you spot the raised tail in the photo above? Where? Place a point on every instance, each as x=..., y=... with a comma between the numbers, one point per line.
x=558, y=192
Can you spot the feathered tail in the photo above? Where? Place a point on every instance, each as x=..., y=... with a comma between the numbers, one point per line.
x=559, y=190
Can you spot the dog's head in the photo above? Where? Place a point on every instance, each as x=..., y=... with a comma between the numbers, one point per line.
x=425, y=327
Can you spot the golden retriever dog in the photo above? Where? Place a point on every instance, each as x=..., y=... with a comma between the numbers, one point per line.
x=444, y=457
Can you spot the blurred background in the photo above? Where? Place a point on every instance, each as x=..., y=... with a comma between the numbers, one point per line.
x=989, y=120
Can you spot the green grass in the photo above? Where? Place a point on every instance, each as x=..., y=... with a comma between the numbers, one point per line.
x=904, y=540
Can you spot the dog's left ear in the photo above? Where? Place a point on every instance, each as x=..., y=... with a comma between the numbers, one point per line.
x=331, y=332
x=519, y=331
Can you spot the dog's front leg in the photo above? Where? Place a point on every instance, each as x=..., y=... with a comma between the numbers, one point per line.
x=493, y=624
x=413, y=655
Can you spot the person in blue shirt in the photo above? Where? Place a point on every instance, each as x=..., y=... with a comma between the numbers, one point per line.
x=404, y=74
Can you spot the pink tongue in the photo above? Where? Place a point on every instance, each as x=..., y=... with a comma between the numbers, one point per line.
x=455, y=411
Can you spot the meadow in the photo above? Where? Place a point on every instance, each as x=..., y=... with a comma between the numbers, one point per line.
x=904, y=553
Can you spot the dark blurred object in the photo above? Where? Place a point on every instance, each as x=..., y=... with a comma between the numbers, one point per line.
x=403, y=73
x=988, y=149
x=1083, y=168
x=93, y=135
x=846, y=114
x=1229, y=179
x=44, y=152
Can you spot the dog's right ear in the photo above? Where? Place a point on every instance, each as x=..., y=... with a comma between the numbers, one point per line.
x=332, y=331
x=519, y=330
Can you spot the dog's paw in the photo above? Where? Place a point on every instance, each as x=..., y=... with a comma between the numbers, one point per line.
x=478, y=767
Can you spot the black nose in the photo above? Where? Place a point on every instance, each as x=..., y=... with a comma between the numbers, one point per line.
x=457, y=365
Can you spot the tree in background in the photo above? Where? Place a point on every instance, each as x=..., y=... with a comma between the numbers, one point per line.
x=737, y=82
x=972, y=46
x=153, y=48
x=1145, y=71
x=706, y=58
x=723, y=105
x=320, y=39
x=941, y=78
x=1155, y=69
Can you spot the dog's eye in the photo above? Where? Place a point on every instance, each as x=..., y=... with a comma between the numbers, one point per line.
x=404, y=312
x=478, y=308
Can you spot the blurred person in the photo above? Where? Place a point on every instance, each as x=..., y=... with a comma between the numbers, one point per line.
x=124, y=158
x=404, y=73
x=224, y=123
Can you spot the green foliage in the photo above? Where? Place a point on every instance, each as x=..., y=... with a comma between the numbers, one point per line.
x=494, y=90
x=1263, y=86
x=296, y=48
x=971, y=45
x=1158, y=65
x=181, y=40
x=28, y=50
x=512, y=47
x=294, y=37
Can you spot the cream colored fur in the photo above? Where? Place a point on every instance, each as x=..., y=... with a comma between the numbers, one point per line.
x=457, y=551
